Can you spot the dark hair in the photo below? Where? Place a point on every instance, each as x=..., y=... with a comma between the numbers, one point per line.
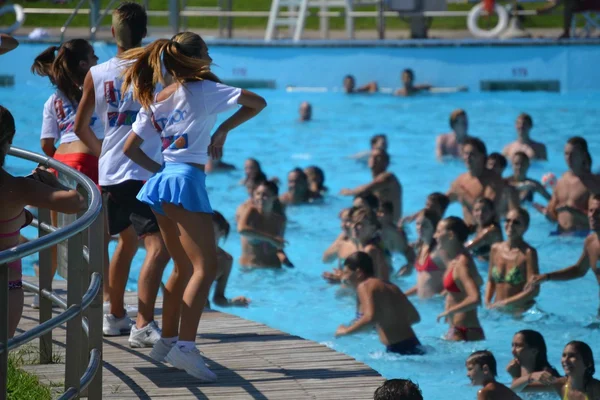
x=365, y=213
x=369, y=198
x=384, y=154
x=477, y=144
x=595, y=196
x=499, y=158
x=526, y=118
x=319, y=174
x=587, y=356
x=360, y=261
x=272, y=186
x=580, y=142
x=255, y=181
x=377, y=137
x=387, y=207
x=7, y=131
x=484, y=357
x=129, y=21
x=221, y=222
x=524, y=215
x=409, y=71
x=458, y=227
x=441, y=199
x=535, y=340
x=521, y=154
x=432, y=217
x=454, y=115
x=398, y=389
x=300, y=173
x=349, y=77
x=61, y=65
x=490, y=204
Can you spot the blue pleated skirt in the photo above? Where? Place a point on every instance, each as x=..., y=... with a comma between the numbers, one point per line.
x=177, y=183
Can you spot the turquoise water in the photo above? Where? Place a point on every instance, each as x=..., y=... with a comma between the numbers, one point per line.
x=297, y=300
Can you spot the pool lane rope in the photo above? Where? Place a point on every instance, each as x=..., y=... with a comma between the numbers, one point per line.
x=19, y=17
x=477, y=11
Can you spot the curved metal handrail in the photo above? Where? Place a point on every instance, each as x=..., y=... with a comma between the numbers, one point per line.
x=54, y=237
x=82, y=223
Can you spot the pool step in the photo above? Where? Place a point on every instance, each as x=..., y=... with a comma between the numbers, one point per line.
x=7, y=80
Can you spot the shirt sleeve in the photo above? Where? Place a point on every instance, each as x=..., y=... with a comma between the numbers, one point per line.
x=219, y=98
x=49, y=121
x=144, y=126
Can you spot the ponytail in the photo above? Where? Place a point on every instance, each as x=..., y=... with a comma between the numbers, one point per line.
x=42, y=65
x=7, y=132
x=152, y=63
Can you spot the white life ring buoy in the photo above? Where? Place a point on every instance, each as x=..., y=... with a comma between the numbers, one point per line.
x=19, y=16
x=482, y=33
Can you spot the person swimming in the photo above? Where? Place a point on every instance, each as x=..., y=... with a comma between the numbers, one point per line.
x=526, y=186
x=305, y=111
x=349, y=84
x=487, y=228
x=408, y=84
x=378, y=141
x=512, y=264
x=450, y=144
x=299, y=191
x=340, y=249
x=482, y=371
x=524, y=143
x=316, y=179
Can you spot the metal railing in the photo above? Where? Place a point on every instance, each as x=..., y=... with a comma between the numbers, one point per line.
x=82, y=310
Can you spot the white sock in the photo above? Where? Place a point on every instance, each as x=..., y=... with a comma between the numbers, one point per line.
x=169, y=341
x=186, y=346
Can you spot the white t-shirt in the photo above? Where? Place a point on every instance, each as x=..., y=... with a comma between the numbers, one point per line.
x=118, y=111
x=185, y=120
x=59, y=119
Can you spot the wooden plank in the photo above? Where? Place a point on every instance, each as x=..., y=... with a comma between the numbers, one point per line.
x=251, y=360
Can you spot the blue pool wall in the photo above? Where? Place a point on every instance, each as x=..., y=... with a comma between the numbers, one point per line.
x=444, y=64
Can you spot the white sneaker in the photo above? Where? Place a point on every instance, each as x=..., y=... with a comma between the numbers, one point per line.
x=191, y=362
x=144, y=337
x=160, y=350
x=112, y=326
x=132, y=311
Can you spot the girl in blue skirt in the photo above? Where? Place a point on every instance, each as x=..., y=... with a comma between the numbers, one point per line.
x=182, y=116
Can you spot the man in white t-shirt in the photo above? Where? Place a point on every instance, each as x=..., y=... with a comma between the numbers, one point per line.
x=121, y=179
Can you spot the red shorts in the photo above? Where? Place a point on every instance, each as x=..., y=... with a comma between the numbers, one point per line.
x=87, y=164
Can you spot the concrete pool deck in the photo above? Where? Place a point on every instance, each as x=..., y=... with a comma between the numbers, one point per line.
x=252, y=361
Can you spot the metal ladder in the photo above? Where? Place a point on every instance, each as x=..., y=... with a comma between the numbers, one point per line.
x=295, y=21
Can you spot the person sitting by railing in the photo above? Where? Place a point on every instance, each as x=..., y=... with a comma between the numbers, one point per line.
x=40, y=189
x=7, y=43
x=570, y=7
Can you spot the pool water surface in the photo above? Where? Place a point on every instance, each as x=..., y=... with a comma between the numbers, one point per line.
x=298, y=300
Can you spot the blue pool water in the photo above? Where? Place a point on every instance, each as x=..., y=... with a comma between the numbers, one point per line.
x=298, y=301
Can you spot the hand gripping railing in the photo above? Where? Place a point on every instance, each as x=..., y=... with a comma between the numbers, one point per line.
x=83, y=311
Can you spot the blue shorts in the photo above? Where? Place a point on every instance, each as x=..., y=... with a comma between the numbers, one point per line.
x=408, y=347
x=177, y=183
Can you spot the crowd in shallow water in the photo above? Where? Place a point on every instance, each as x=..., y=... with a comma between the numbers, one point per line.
x=128, y=126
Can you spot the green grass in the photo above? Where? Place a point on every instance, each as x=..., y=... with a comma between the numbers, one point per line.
x=23, y=385
x=47, y=20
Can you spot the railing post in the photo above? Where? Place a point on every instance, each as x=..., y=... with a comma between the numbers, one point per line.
x=45, y=278
x=3, y=329
x=174, y=17
x=75, y=263
x=94, y=12
x=229, y=20
x=324, y=23
x=85, y=281
x=96, y=256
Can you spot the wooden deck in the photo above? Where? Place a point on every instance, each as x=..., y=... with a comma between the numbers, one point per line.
x=251, y=360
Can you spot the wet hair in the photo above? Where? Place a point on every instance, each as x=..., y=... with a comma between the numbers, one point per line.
x=272, y=186
x=523, y=155
x=526, y=118
x=484, y=357
x=490, y=205
x=432, y=217
x=320, y=176
x=350, y=77
x=477, y=144
x=441, y=199
x=384, y=154
x=387, y=207
x=61, y=65
x=454, y=115
x=221, y=222
x=409, y=72
x=301, y=175
x=360, y=261
x=580, y=142
x=458, y=227
x=361, y=213
x=148, y=64
x=7, y=132
x=370, y=199
x=129, y=21
x=587, y=356
x=255, y=181
x=524, y=215
x=535, y=340
x=499, y=158
x=376, y=138
x=398, y=389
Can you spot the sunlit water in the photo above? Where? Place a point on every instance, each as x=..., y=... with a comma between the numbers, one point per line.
x=297, y=300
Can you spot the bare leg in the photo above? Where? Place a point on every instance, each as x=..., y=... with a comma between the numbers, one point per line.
x=567, y=17
x=106, y=279
x=197, y=239
x=182, y=271
x=151, y=273
x=119, y=270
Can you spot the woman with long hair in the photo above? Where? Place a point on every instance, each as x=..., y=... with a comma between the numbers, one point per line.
x=182, y=115
x=40, y=189
x=487, y=229
x=530, y=355
x=578, y=383
x=461, y=282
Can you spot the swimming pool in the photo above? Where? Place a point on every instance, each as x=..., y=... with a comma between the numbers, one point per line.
x=298, y=300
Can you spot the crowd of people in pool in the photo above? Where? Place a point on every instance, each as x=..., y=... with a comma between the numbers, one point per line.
x=139, y=125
